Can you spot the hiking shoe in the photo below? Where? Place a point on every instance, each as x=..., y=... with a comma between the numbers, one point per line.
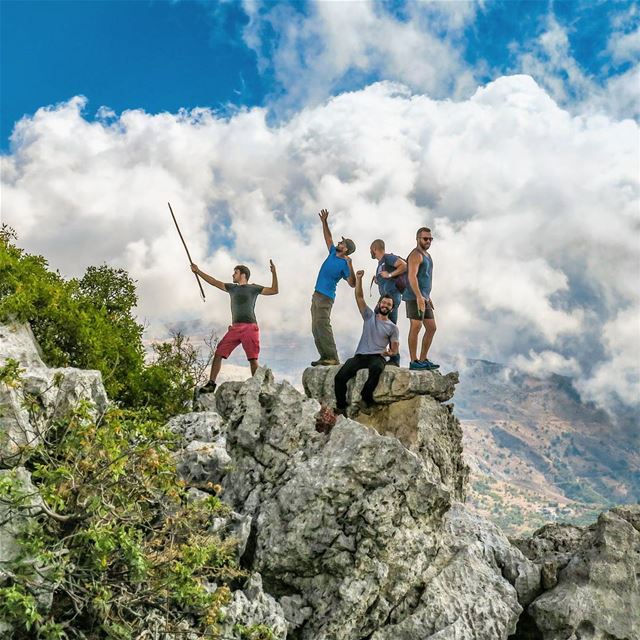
x=324, y=363
x=210, y=387
x=418, y=365
x=365, y=407
x=431, y=365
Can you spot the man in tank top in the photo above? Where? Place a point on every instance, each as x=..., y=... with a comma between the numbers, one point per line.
x=417, y=297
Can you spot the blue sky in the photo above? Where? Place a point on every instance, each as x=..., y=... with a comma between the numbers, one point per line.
x=162, y=56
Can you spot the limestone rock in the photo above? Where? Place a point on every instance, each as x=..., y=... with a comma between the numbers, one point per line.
x=430, y=429
x=395, y=384
x=50, y=393
x=12, y=521
x=252, y=606
x=597, y=595
x=354, y=531
x=203, y=426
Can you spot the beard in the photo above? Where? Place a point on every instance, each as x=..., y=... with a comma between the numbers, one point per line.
x=384, y=312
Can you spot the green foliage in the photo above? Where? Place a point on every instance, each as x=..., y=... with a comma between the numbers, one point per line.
x=254, y=632
x=89, y=323
x=10, y=373
x=117, y=534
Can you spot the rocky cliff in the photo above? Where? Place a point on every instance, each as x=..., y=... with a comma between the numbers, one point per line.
x=356, y=528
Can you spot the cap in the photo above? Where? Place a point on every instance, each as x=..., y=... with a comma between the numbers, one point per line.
x=351, y=245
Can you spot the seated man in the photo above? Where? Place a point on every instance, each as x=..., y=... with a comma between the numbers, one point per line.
x=380, y=339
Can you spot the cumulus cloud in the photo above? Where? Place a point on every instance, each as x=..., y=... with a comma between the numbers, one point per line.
x=534, y=212
x=546, y=363
x=312, y=53
x=549, y=59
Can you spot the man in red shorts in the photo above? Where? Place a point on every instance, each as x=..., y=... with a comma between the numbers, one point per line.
x=244, y=327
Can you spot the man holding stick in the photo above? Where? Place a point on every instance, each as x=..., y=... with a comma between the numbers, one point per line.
x=244, y=327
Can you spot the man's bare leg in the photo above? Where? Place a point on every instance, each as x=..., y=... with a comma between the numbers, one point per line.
x=414, y=330
x=216, y=365
x=254, y=366
x=427, y=338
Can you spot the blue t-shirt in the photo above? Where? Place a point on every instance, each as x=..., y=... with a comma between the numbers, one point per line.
x=425, y=276
x=331, y=271
x=387, y=286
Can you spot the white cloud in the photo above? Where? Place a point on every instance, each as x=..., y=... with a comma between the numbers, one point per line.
x=546, y=363
x=618, y=375
x=312, y=54
x=534, y=213
x=548, y=59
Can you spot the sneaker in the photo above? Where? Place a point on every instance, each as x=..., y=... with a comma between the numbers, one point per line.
x=365, y=407
x=324, y=363
x=431, y=365
x=210, y=387
x=393, y=363
x=418, y=365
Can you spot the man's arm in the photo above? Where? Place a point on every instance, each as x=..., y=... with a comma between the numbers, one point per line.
x=273, y=289
x=392, y=349
x=412, y=272
x=362, y=305
x=207, y=278
x=352, y=276
x=324, y=214
x=400, y=267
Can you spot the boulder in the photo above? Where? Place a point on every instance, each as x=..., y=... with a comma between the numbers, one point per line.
x=395, y=384
x=16, y=485
x=597, y=595
x=249, y=607
x=355, y=527
x=41, y=396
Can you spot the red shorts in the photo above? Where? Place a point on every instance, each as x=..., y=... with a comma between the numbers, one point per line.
x=245, y=333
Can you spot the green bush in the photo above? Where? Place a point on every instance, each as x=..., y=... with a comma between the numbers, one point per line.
x=89, y=323
x=116, y=534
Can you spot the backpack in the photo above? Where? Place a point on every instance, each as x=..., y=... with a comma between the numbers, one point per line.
x=401, y=281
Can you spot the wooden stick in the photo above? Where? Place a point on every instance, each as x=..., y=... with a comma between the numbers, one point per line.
x=187, y=250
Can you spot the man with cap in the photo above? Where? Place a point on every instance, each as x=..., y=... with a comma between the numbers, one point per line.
x=336, y=267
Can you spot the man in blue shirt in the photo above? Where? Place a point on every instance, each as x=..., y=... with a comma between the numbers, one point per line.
x=389, y=268
x=336, y=267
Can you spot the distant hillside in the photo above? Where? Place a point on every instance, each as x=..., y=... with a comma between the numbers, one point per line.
x=537, y=452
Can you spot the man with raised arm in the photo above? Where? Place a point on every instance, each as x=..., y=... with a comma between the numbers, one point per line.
x=336, y=267
x=389, y=268
x=380, y=339
x=244, y=327
x=417, y=297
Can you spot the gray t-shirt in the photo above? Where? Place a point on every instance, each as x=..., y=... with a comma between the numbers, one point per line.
x=243, y=301
x=377, y=335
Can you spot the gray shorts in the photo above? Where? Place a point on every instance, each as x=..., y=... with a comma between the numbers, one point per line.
x=413, y=313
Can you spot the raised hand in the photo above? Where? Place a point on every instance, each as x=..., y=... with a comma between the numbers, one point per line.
x=359, y=274
x=272, y=266
x=324, y=214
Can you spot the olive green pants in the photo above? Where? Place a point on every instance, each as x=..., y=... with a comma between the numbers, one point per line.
x=321, y=326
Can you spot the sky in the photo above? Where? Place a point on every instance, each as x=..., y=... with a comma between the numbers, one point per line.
x=510, y=128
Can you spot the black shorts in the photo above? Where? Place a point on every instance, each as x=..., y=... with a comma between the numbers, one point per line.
x=413, y=313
